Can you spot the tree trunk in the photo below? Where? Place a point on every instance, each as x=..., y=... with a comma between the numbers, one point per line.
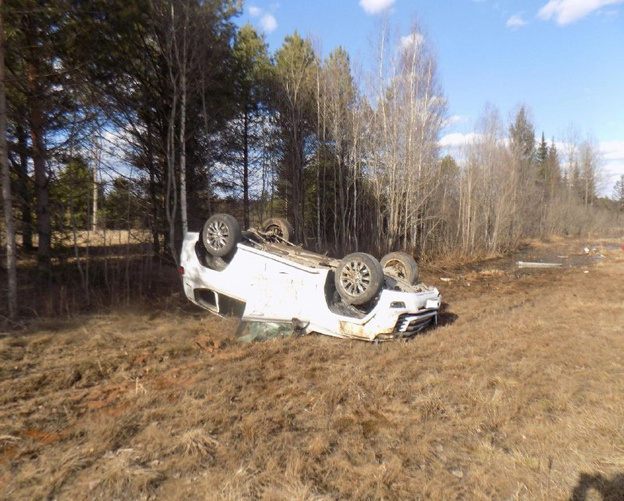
x=23, y=189
x=246, y=168
x=182, y=139
x=96, y=166
x=6, y=184
x=171, y=193
x=155, y=226
x=42, y=179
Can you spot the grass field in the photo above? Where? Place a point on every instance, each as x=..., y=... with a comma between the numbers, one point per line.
x=518, y=395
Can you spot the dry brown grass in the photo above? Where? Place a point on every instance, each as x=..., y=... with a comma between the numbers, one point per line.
x=518, y=395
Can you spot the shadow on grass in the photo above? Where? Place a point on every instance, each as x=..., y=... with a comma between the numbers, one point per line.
x=446, y=317
x=588, y=484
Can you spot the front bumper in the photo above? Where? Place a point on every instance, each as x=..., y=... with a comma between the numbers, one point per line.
x=410, y=324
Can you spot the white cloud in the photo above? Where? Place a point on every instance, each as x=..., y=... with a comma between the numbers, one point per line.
x=612, y=150
x=611, y=166
x=375, y=6
x=569, y=11
x=453, y=120
x=457, y=139
x=612, y=172
x=613, y=169
x=268, y=23
x=254, y=11
x=515, y=22
x=413, y=40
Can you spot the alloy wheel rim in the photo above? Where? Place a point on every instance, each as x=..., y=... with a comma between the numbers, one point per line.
x=217, y=235
x=355, y=278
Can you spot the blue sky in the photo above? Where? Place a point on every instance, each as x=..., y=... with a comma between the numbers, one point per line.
x=564, y=59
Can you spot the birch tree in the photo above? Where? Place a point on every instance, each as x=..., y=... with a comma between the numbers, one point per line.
x=590, y=171
x=337, y=161
x=407, y=120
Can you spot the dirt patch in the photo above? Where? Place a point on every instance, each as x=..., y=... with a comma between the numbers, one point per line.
x=518, y=396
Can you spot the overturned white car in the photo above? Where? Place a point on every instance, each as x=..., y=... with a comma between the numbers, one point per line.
x=260, y=276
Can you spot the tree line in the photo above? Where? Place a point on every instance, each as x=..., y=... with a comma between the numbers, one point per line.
x=153, y=114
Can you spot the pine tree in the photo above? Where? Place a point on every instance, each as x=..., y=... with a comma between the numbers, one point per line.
x=338, y=172
x=40, y=86
x=553, y=177
x=522, y=137
x=11, y=254
x=251, y=74
x=527, y=194
x=541, y=154
x=293, y=101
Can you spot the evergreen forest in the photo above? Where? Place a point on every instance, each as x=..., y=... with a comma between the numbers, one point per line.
x=148, y=116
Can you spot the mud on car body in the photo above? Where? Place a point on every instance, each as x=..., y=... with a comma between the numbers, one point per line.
x=259, y=275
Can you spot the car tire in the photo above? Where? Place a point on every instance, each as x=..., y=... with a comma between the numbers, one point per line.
x=358, y=278
x=400, y=265
x=221, y=234
x=280, y=227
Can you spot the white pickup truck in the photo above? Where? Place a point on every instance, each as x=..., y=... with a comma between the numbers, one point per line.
x=258, y=275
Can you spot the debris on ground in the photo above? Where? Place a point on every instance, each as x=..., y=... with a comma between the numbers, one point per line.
x=525, y=264
x=261, y=331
